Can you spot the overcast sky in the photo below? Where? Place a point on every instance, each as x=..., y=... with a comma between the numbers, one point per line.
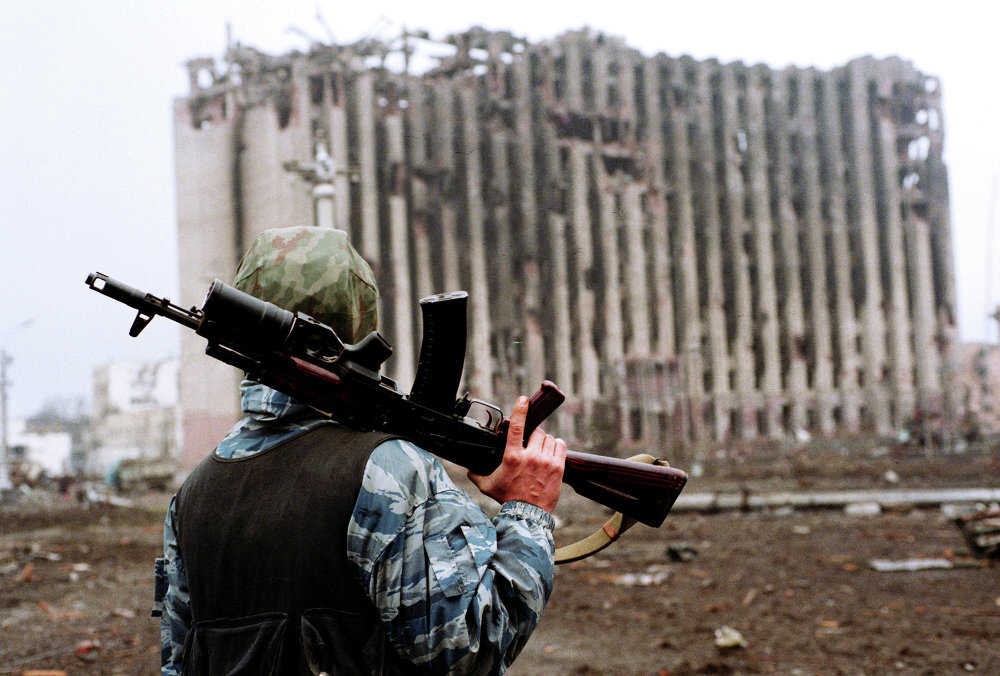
x=86, y=166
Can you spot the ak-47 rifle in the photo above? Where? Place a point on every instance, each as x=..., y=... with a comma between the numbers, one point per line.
x=295, y=354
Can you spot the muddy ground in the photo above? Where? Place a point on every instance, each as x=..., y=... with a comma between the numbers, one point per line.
x=794, y=589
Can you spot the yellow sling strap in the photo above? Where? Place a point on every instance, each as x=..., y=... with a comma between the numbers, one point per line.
x=607, y=533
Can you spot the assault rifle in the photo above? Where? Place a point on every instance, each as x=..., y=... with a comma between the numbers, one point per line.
x=295, y=354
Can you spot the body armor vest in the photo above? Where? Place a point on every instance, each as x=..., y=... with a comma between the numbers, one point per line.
x=263, y=540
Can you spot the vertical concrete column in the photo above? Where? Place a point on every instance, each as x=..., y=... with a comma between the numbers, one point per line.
x=934, y=180
x=793, y=320
x=445, y=186
x=416, y=134
x=734, y=131
x=845, y=312
x=872, y=320
x=507, y=313
x=506, y=308
x=482, y=370
x=611, y=309
x=935, y=190
x=707, y=196
x=268, y=199
x=336, y=121
x=897, y=310
x=364, y=110
x=925, y=325
x=552, y=231
x=639, y=261
x=579, y=184
x=562, y=320
x=404, y=338
x=663, y=288
x=767, y=306
x=573, y=82
x=589, y=387
x=206, y=164
x=526, y=240
x=690, y=350
x=600, y=59
x=612, y=357
x=635, y=278
x=628, y=106
x=819, y=307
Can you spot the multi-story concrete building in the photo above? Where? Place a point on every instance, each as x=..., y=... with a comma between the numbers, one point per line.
x=690, y=249
x=978, y=386
x=135, y=414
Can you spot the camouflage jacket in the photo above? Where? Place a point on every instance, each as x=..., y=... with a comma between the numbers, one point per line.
x=458, y=592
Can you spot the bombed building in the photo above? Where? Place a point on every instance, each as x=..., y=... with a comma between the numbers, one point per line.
x=692, y=250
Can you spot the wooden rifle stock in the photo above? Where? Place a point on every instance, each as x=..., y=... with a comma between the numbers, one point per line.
x=644, y=492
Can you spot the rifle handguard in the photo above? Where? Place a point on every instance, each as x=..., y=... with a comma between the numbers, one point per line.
x=606, y=534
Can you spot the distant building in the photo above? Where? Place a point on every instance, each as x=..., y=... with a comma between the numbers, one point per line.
x=692, y=250
x=135, y=413
x=52, y=451
x=978, y=384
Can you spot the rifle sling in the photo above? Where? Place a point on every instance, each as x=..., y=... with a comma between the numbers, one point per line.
x=606, y=534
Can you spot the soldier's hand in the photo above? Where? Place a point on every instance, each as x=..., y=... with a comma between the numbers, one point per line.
x=531, y=473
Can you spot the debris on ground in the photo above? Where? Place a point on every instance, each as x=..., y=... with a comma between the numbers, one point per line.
x=863, y=509
x=681, y=552
x=910, y=565
x=981, y=531
x=727, y=638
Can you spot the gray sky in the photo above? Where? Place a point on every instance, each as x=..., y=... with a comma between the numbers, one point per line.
x=86, y=166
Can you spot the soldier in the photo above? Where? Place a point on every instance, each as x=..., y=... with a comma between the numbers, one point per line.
x=300, y=546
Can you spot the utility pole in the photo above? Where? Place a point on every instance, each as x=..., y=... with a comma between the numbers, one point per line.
x=5, y=361
x=4, y=467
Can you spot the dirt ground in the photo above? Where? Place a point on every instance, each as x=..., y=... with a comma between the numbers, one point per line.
x=794, y=590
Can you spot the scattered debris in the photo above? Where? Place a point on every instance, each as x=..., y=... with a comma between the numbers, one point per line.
x=863, y=509
x=981, y=531
x=96, y=497
x=681, y=552
x=88, y=650
x=727, y=638
x=38, y=553
x=648, y=579
x=28, y=574
x=909, y=565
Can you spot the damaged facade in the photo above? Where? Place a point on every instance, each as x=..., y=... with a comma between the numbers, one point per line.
x=692, y=250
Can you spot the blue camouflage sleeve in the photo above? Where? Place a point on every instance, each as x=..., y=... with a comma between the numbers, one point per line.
x=458, y=593
x=175, y=621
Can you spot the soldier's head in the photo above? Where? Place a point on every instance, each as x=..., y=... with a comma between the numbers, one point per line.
x=315, y=271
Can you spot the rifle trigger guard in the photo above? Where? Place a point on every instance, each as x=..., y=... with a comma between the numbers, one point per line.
x=493, y=411
x=606, y=534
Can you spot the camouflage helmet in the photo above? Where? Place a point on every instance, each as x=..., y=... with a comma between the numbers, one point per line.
x=315, y=271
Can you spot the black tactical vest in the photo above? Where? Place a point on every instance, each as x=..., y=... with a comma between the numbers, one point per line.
x=263, y=540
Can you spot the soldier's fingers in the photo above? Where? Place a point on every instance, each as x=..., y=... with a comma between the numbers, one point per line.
x=560, y=450
x=515, y=431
